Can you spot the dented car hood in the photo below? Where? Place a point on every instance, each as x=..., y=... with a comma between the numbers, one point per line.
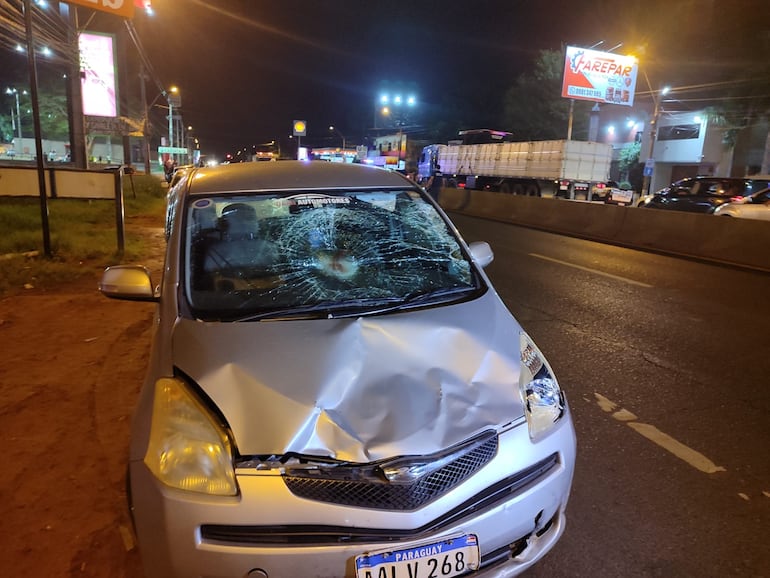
x=359, y=389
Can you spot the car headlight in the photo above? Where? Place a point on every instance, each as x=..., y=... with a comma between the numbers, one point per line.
x=188, y=448
x=543, y=399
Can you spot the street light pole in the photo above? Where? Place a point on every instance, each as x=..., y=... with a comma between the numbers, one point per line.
x=173, y=99
x=18, y=111
x=646, y=182
x=15, y=92
x=170, y=124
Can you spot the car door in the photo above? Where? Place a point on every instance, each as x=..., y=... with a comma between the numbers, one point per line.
x=681, y=198
x=707, y=194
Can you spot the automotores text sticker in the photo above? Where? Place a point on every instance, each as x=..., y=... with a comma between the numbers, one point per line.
x=314, y=201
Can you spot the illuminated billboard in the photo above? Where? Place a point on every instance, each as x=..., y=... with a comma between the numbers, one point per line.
x=599, y=76
x=124, y=8
x=97, y=74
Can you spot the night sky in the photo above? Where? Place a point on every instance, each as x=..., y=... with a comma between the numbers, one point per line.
x=247, y=68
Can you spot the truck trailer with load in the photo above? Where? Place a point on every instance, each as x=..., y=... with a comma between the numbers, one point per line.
x=566, y=168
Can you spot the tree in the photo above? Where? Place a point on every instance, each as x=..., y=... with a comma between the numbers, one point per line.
x=533, y=109
x=628, y=164
x=54, y=120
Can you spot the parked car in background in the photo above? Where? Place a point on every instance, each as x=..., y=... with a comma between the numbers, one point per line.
x=336, y=389
x=702, y=194
x=612, y=193
x=755, y=206
x=603, y=191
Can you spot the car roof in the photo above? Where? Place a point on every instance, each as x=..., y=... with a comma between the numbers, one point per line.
x=289, y=175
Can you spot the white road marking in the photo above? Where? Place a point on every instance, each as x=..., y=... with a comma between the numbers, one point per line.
x=594, y=271
x=683, y=452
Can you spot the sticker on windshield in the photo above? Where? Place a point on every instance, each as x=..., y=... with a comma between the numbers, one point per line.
x=315, y=201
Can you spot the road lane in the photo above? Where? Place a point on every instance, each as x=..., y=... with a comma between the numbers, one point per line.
x=686, y=356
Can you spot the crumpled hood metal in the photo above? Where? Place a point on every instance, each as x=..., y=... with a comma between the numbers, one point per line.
x=359, y=389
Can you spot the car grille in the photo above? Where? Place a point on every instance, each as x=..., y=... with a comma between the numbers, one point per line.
x=304, y=534
x=366, y=486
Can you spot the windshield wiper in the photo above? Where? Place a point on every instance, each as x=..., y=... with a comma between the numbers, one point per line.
x=315, y=311
x=359, y=307
x=321, y=310
x=442, y=295
x=415, y=299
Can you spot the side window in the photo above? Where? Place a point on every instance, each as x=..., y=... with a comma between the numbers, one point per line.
x=171, y=207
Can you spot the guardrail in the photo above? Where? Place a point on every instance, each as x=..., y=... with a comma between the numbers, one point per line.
x=740, y=242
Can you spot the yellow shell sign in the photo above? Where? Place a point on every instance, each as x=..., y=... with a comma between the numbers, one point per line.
x=300, y=128
x=124, y=8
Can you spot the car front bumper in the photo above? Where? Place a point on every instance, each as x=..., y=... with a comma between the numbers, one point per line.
x=514, y=528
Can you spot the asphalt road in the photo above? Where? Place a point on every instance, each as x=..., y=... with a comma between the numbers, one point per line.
x=663, y=360
x=665, y=366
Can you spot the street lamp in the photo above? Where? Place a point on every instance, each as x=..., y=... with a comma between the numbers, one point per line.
x=333, y=129
x=15, y=92
x=395, y=106
x=192, y=145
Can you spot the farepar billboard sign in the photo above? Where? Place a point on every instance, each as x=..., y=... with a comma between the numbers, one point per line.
x=599, y=76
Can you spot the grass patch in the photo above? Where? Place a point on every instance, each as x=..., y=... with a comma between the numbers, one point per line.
x=83, y=235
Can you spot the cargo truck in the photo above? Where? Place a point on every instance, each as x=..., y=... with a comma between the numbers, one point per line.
x=564, y=168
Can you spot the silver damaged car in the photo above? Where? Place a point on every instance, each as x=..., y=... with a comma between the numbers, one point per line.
x=335, y=389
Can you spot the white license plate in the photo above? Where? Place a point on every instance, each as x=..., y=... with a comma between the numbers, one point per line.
x=448, y=558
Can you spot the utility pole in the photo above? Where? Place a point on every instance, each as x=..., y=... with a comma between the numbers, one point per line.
x=36, y=120
x=146, y=116
x=170, y=124
x=653, y=136
x=75, y=91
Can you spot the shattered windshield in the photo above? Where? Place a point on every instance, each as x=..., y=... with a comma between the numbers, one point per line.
x=260, y=255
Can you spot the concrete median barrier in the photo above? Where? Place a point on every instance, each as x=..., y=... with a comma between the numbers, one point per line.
x=739, y=242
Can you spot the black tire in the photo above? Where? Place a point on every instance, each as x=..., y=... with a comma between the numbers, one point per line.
x=506, y=188
x=518, y=189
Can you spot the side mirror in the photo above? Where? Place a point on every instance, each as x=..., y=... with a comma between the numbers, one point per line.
x=129, y=282
x=482, y=253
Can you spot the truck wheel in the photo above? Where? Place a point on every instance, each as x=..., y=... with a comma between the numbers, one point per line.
x=506, y=188
x=518, y=189
x=533, y=191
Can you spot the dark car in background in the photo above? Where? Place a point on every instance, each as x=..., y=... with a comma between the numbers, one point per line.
x=702, y=194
